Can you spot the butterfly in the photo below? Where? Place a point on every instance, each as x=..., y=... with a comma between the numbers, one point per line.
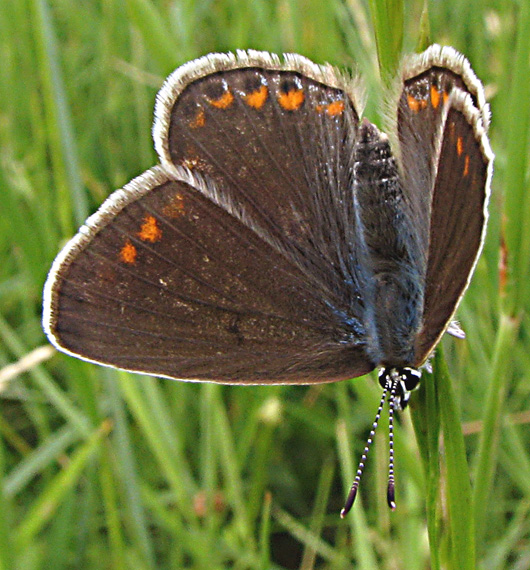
x=282, y=239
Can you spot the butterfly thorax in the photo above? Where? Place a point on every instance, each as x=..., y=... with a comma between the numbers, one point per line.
x=391, y=252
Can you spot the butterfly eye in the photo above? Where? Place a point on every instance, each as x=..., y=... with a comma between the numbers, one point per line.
x=411, y=378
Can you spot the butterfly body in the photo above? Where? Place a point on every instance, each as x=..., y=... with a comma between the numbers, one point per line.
x=396, y=280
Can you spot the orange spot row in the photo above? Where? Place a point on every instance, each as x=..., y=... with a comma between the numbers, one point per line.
x=149, y=230
x=224, y=101
x=332, y=109
x=466, y=166
x=435, y=96
x=416, y=105
x=175, y=207
x=257, y=98
x=199, y=120
x=291, y=100
x=128, y=253
x=459, y=146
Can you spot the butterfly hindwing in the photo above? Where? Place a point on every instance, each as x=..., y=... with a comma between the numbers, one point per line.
x=162, y=280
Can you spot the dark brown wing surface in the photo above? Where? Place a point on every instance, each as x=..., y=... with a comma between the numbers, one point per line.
x=176, y=286
x=278, y=140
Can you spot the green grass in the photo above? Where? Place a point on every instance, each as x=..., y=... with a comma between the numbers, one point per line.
x=102, y=469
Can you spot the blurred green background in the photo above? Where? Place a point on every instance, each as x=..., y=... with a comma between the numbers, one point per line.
x=101, y=469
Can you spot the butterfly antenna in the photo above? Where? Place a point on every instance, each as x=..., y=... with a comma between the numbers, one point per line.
x=353, y=491
x=390, y=493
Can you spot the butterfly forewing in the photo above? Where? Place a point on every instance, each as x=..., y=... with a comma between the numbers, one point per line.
x=458, y=218
x=164, y=281
x=279, y=143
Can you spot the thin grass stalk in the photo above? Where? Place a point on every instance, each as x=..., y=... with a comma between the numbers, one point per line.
x=425, y=414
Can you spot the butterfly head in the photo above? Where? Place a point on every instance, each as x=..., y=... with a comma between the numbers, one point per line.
x=404, y=379
x=397, y=384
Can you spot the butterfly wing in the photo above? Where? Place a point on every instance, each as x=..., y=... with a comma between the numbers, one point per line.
x=278, y=140
x=223, y=264
x=446, y=163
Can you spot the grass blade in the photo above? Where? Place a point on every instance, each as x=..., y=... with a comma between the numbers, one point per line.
x=44, y=507
x=425, y=414
x=60, y=131
x=6, y=552
x=387, y=18
x=459, y=498
x=489, y=435
x=515, y=175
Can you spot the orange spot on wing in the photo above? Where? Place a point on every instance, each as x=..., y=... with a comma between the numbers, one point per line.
x=445, y=96
x=128, y=253
x=199, y=119
x=466, y=166
x=150, y=230
x=257, y=98
x=335, y=108
x=224, y=101
x=291, y=100
x=414, y=104
x=332, y=109
x=459, y=146
x=435, y=96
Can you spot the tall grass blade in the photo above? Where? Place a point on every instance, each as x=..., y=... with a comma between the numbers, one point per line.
x=458, y=486
x=387, y=18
